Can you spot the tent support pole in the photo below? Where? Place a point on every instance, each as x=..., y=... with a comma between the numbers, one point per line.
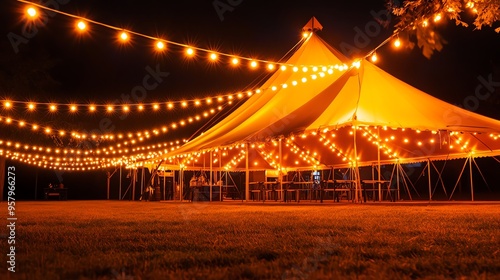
x=471, y=179
x=358, y=197
x=459, y=177
x=481, y=173
x=429, y=178
x=210, y=180
x=181, y=183
x=220, y=175
x=378, y=161
x=405, y=182
x=280, y=173
x=440, y=179
x=120, y=186
x=397, y=180
x=247, y=175
x=134, y=178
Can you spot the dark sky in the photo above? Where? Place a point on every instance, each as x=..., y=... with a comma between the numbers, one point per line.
x=56, y=64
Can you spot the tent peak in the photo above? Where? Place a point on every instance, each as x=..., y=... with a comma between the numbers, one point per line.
x=312, y=25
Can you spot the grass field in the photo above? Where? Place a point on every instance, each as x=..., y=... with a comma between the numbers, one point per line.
x=153, y=240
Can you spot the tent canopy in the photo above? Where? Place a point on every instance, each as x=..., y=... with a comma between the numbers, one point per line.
x=318, y=108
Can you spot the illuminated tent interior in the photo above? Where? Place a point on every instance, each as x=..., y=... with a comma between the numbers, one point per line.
x=337, y=116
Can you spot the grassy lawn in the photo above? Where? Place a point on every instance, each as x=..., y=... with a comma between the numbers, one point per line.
x=153, y=240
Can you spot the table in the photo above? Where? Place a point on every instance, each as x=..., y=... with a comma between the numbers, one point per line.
x=59, y=193
x=202, y=192
x=385, y=183
x=342, y=186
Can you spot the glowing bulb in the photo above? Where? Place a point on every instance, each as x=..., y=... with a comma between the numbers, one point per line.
x=305, y=34
x=124, y=36
x=425, y=23
x=235, y=61
x=31, y=106
x=160, y=45
x=213, y=56
x=109, y=108
x=92, y=108
x=253, y=64
x=437, y=17
x=81, y=25
x=7, y=105
x=32, y=13
x=189, y=51
x=73, y=108
x=283, y=67
x=397, y=43
x=52, y=108
x=374, y=57
x=270, y=66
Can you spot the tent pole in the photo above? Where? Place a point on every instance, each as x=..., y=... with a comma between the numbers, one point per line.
x=358, y=196
x=280, y=174
x=481, y=173
x=397, y=180
x=220, y=175
x=108, y=182
x=471, y=181
x=181, y=184
x=459, y=177
x=143, y=172
x=429, y=178
x=440, y=178
x=247, y=175
x=134, y=178
x=174, y=187
x=210, y=177
x=120, y=186
x=378, y=161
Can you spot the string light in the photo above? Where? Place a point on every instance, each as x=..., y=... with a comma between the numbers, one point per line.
x=31, y=12
x=397, y=43
x=437, y=17
x=374, y=57
x=190, y=51
x=112, y=137
x=124, y=36
x=81, y=25
x=160, y=44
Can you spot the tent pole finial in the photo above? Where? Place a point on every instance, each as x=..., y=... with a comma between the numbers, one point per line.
x=312, y=25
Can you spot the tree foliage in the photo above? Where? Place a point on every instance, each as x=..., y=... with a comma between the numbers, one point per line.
x=418, y=19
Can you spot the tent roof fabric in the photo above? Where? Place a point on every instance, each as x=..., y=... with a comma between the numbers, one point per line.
x=359, y=101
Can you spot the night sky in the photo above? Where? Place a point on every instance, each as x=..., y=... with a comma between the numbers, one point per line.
x=58, y=65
